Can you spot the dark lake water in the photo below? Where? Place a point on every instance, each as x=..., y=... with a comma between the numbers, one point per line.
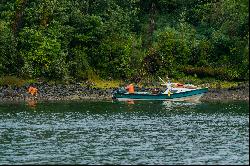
x=106, y=132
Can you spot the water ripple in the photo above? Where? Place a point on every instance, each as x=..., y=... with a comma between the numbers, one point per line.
x=119, y=133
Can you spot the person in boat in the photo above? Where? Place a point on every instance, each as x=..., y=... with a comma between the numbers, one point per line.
x=169, y=88
x=130, y=88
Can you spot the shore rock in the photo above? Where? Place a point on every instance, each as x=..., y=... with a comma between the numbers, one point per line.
x=77, y=92
x=236, y=93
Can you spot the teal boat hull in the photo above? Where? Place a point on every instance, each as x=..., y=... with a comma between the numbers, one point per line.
x=147, y=96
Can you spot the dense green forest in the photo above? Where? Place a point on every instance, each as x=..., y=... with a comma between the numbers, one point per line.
x=124, y=39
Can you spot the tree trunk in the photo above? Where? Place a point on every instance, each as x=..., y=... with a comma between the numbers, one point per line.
x=19, y=16
x=151, y=26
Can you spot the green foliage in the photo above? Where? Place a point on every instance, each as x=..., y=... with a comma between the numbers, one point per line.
x=114, y=57
x=42, y=54
x=78, y=65
x=84, y=39
x=174, y=50
x=9, y=60
x=219, y=73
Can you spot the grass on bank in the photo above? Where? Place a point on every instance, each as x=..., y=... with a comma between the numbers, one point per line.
x=11, y=81
x=104, y=84
x=208, y=82
x=109, y=84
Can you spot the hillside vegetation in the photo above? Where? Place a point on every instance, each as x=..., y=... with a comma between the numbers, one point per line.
x=124, y=39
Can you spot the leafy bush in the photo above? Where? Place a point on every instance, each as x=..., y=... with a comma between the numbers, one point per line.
x=219, y=73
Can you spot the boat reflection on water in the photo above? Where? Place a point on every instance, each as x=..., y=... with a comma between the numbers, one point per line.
x=168, y=105
x=130, y=101
x=127, y=101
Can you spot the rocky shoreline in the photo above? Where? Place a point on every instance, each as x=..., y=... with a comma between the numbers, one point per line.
x=230, y=94
x=78, y=92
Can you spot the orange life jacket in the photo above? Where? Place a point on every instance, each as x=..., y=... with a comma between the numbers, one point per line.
x=131, y=88
x=32, y=90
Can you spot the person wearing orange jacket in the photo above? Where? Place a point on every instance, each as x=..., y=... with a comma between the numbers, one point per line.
x=130, y=88
x=32, y=90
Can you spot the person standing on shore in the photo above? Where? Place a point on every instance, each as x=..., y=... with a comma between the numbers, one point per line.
x=32, y=90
